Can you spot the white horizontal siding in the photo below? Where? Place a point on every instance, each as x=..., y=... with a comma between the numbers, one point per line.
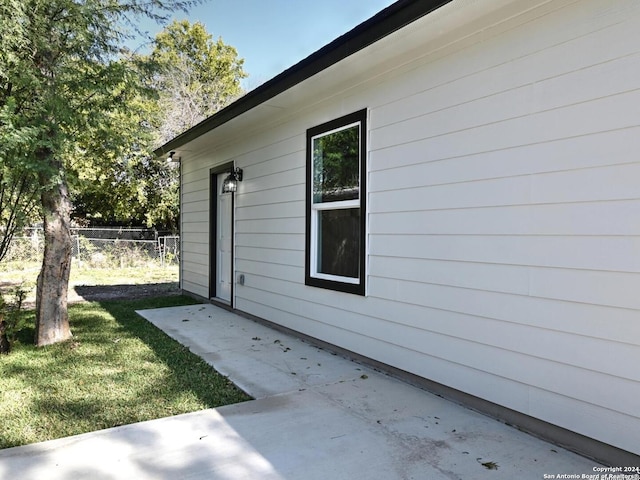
x=194, y=284
x=271, y=225
x=279, y=256
x=600, y=115
x=196, y=196
x=194, y=224
x=503, y=206
x=197, y=247
x=587, y=218
x=536, y=46
x=271, y=241
x=195, y=179
x=199, y=227
x=480, y=276
x=606, y=425
x=614, y=289
x=287, y=209
x=272, y=196
x=617, y=182
x=275, y=180
x=536, y=82
x=271, y=270
x=602, y=252
x=200, y=259
x=526, y=219
x=391, y=171
x=581, y=319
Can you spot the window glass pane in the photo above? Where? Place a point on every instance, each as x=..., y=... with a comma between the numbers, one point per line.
x=339, y=242
x=336, y=164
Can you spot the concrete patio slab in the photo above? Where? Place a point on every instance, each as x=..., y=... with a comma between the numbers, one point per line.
x=316, y=416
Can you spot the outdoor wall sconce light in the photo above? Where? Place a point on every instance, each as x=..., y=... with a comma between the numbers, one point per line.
x=230, y=183
x=170, y=158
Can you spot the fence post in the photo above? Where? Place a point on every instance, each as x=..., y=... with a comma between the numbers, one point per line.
x=92, y=250
x=35, y=240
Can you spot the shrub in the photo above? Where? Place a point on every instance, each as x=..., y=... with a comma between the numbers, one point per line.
x=12, y=320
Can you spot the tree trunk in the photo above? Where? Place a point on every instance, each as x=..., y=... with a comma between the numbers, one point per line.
x=5, y=346
x=52, y=319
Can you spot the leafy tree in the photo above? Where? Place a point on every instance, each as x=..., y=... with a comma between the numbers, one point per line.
x=336, y=166
x=18, y=189
x=193, y=76
x=139, y=190
x=69, y=101
x=159, y=186
x=197, y=76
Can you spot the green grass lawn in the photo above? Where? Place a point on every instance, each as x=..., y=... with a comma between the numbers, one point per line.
x=117, y=369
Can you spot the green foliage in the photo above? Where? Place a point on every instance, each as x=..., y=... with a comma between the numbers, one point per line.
x=12, y=312
x=162, y=198
x=73, y=105
x=336, y=165
x=139, y=190
x=18, y=202
x=187, y=77
x=18, y=186
x=197, y=76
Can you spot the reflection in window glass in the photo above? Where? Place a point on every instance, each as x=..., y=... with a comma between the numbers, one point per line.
x=339, y=242
x=336, y=166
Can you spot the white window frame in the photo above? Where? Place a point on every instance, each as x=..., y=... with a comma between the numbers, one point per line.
x=316, y=208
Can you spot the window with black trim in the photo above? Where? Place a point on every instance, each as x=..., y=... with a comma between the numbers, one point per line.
x=336, y=201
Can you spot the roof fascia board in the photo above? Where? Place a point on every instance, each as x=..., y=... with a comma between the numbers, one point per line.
x=384, y=23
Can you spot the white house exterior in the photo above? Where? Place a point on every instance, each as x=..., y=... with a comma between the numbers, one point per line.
x=499, y=196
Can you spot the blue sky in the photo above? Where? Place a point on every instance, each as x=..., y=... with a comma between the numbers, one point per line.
x=272, y=35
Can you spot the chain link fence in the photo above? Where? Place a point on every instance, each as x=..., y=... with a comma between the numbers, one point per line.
x=100, y=248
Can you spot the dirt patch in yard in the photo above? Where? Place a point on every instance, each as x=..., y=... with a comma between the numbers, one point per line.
x=98, y=293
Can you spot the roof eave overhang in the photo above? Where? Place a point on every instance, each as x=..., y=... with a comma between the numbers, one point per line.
x=377, y=27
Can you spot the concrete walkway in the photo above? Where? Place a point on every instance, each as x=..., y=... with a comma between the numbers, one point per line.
x=316, y=416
